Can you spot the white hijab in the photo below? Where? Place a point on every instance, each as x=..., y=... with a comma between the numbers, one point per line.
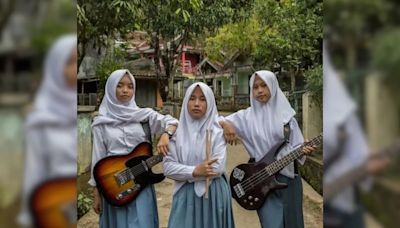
x=191, y=133
x=337, y=104
x=112, y=111
x=56, y=102
x=266, y=121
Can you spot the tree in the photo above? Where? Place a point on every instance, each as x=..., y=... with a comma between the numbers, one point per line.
x=102, y=21
x=286, y=33
x=174, y=23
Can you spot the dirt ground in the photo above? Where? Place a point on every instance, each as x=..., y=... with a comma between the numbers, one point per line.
x=312, y=201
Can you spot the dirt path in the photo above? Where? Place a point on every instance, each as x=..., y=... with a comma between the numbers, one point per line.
x=312, y=201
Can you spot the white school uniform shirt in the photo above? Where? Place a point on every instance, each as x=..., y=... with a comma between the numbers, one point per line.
x=117, y=129
x=50, y=129
x=261, y=126
x=340, y=111
x=122, y=138
x=187, y=149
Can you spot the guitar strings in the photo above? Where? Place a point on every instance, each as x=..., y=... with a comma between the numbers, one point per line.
x=259, y=177
x=135, y=170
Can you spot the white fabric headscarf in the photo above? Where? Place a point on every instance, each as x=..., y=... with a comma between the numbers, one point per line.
x=191, y=133
x=337, y=103
x=56, y=102
x=266, y=121
x=112, y=111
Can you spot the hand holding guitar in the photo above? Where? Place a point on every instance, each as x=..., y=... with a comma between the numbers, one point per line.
x=97, y=201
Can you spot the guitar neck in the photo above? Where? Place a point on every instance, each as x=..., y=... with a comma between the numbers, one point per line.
x=275, y=166
x=154, y=160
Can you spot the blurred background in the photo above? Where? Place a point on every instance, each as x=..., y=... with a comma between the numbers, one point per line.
x=27, y=29
x=361, y=38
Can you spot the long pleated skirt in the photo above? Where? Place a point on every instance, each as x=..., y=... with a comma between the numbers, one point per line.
x=140, y=213
x=189, y=210
x=283, y=208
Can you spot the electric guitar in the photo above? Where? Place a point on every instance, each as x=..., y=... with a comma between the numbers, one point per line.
x=250, y=183
x=121, y=178
x=53, y=203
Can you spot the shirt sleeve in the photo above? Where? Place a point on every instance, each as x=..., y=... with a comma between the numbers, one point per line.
x=181, y=172
x=174, y=169
x=158, y=122
x=35, y=171
x=99, y=150
x=238, y=120
x=296, y=138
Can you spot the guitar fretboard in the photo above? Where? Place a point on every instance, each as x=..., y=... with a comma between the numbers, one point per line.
x=154, y=160
x=287, y=159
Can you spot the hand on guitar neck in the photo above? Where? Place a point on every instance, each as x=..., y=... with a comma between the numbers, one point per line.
x=307, y=150
x=376, y=164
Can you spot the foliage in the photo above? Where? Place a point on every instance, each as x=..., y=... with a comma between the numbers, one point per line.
x=44, y=34
x=288, y=33
x=110, y=63
x=315, y=82
x=84, y=204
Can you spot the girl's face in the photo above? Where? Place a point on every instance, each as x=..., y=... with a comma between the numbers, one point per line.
x=70, y=69
x=260, y=90
x=124, y=90
x=197, y=105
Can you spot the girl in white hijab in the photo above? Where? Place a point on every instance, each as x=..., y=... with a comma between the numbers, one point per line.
x=116, y=131
x=50, y=128
x=261, y=127
x=187, y=165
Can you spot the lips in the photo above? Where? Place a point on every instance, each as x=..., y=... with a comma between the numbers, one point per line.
x=196, y=110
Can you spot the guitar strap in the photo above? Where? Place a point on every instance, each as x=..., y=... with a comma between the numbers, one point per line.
x=341, y=139
x=286, y=134
x=147, y=131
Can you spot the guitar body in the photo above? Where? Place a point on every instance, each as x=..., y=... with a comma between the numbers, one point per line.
x=109, y=171
x=254, y=197
x=53, y=203
x=251, y=183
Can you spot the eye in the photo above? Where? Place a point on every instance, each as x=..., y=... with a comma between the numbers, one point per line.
x=119, y=86
x=192, y=98
x=202, y=98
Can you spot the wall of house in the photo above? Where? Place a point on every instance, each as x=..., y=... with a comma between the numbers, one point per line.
x=243, y=82
x=312, y=116
x=12, y=155
x=84, y=142
x=226, y=87
x=146, y=93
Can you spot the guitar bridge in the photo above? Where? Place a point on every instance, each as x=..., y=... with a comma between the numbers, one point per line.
x=239, y=190
x=123, y=194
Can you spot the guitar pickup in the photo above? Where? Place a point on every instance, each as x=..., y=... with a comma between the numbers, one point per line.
x=123, y=177
x=239, y=190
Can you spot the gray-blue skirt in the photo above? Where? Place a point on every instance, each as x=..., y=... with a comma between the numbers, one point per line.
x=189, y=210
x=284, y=207
x=141, y=213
